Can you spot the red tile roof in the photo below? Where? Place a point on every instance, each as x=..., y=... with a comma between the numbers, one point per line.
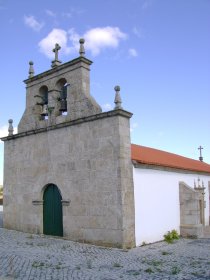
x=156, y=157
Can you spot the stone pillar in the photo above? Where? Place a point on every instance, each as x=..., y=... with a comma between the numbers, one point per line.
x=201, y=192
x=190, y=212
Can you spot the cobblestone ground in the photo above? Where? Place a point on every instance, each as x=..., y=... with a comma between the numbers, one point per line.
x=26, y=256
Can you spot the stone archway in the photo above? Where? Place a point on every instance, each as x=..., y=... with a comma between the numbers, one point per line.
x=52, y=211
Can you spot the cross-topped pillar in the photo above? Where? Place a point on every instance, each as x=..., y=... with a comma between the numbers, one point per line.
x=200, y=157
x=56, y=62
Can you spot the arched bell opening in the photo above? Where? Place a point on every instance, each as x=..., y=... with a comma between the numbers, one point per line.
x=52, y=211
x=42, y=102
x=61, y=86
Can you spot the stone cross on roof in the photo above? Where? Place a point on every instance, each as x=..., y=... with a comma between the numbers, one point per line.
x=56, y=62
x=200, y=157
x=55, y=50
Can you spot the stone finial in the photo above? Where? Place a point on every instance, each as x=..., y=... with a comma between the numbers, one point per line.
x=199, y=182
x=117, y=99
x=31, y=69
x=56, y=61
x=10, y=129
x=82, y=49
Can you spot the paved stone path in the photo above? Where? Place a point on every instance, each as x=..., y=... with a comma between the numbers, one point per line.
x=25, y=256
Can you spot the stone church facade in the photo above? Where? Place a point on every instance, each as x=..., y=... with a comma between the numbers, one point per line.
x=71, y=170
x=73, y=155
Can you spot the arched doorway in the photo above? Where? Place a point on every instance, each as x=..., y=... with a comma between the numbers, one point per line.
x=52, y=211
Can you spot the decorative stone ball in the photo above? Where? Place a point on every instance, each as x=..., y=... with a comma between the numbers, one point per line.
x=10, y=121
x=31, y=63
x=81, y=41
x=117, y=88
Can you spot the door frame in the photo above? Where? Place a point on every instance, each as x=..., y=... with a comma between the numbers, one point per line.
x=60, y=205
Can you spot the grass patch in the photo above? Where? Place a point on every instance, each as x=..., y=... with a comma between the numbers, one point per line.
x=58, y=266
x=175, y=270
x=155, y=263
x=36, y=264
x=135, y=273
x=165, y=253
x=117, y=265
x=170, y=236
x=149, y=270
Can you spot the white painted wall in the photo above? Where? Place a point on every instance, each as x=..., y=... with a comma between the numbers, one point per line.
x=157, y=208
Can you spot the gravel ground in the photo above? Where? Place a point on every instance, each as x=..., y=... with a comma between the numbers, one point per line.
x=26, y=256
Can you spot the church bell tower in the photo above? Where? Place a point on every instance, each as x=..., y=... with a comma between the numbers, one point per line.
x=60, y=94
x=68, y=170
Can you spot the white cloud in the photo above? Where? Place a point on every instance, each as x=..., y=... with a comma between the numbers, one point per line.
x=3, y=131
x=132, y=52
x=31, y=22
x=133, y=126
x=107, y=107
x=50, y=13
x=74, y=38
x=104, y=37
x=59, y=36
x=96, y=39
x=73, y=12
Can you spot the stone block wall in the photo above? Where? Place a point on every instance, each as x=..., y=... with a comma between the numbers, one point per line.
x=89, y=160
x=190, y=212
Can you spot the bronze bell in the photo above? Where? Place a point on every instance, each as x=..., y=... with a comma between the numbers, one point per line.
x=44, y=110
x=63, y=107
x=63, y=93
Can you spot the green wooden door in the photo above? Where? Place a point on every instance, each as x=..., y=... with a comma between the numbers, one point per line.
x=52, y=212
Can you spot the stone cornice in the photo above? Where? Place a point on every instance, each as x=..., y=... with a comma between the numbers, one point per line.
x=58, y=68
x=103, y=115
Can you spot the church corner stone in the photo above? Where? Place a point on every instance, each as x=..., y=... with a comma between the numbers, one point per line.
x=66, y=143
x=191, y=212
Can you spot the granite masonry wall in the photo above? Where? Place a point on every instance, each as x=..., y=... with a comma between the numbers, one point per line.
x=89, y=160
x=191, y=211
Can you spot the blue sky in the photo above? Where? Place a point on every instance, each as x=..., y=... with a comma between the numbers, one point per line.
x=156, y=50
